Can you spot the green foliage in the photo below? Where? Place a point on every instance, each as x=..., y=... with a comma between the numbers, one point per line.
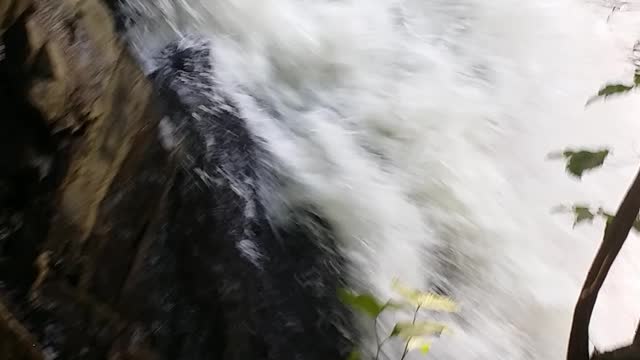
x=614, y=89
x=427, y=301
x=584, y=213
x=577, y=163
x=365, y=303
x=412, y=333
x=580, y=161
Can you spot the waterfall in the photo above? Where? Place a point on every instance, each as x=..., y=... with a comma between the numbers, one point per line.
x=421, y=128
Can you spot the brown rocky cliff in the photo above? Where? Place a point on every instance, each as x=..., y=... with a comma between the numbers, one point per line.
x=84, y=274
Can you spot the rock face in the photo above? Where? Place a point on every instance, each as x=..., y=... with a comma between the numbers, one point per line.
x=116, y=242
x=74, y=106
x=78, y=128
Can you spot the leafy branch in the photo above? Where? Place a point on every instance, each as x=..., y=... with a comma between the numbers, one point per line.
x=414, y=333
x=615, y=234
x=616, y=231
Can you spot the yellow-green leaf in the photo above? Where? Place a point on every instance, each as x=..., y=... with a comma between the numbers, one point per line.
x=365, y=303
x=420, y=328
x=425, y=300
x=417, y=343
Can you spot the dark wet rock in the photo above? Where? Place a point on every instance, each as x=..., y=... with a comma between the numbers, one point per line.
x=275, y=284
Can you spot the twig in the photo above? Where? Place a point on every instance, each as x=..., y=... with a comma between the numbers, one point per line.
x=380, y=343
x=406, y=346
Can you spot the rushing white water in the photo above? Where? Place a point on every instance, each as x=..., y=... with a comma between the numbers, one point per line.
x=421, y=128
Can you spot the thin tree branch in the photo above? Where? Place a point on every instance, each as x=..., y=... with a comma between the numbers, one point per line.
x=615, y=235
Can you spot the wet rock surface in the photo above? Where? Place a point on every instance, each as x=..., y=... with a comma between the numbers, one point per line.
x=74, y=105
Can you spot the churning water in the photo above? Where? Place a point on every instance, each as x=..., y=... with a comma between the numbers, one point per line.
x=421, y=129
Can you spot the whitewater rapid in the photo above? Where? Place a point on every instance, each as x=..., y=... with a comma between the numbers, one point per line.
x=420, y=128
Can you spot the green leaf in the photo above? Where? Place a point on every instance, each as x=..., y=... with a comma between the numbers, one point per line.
x=582, y=214
x=611, y=89
x=421, y=328
x=365, y=303
x=583, y=160
x=636, y=78
x=355, y=355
